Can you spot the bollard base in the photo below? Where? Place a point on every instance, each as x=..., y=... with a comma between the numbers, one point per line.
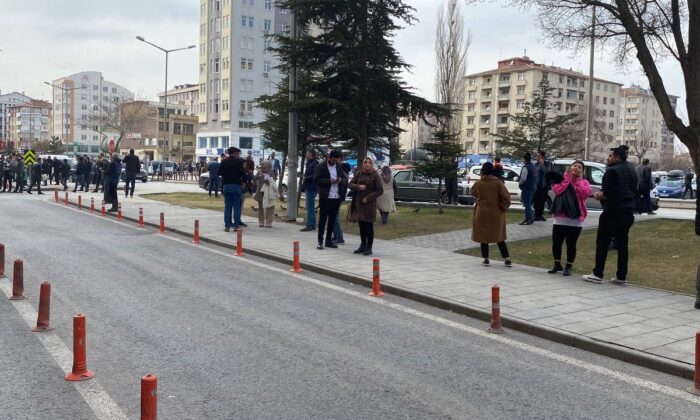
x=495, y=330
x=697, y=305
x=296, y=270
x=376, y=294
x=16, y=298
x=42, y=329
x=693, y=390
x=74, y=377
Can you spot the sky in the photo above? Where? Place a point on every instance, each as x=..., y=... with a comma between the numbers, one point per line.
x=44, y=40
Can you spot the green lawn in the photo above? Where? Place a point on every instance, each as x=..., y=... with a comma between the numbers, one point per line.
x=407, y=221
x=663, y=254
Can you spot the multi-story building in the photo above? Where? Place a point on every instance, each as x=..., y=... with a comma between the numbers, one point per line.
x=235, y=67
x=494, y=96
x=187, y=94
x=146, y=136
x=29, y=122
x=80, y=100
x=6, y=101
x=642, y=126
x=415, y=133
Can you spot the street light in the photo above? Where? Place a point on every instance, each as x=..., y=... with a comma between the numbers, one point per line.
x=65, y=93
x=165, y=105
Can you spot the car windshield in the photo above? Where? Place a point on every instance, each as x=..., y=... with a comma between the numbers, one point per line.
x=671, y=182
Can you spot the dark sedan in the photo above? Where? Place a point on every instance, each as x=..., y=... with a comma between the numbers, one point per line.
x=414, y=187
x=204, y=184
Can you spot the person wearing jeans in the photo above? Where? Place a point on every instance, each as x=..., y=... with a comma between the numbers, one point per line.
x=214, y=177
x=231, y=171
x=330, y=179
x=528, y=185
x=309, y=188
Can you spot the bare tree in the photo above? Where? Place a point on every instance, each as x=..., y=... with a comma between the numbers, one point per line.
x=118, y=118
x=643, y=141
x=451, y=48
x=650, y=30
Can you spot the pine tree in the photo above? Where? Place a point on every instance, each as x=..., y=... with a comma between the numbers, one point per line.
x=538, y=127
x=443, y=149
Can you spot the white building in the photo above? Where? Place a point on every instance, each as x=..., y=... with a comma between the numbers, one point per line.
x=187, y=94
x=235, y=67
x=6, y=101
x=77, y=99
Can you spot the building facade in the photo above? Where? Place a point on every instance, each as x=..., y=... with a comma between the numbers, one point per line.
x=29, y=122
x=235, y=67
x=642, y=126
x=6, y=101
x=79, y=101
x=187, y=94
x=494, y=95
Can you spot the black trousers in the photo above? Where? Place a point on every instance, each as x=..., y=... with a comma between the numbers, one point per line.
x=613, y=224
x=501, y=247
x=687, y=189
x=538, y=202
x=570, y=234
x=366, y=234
x=327, y=212
x=34, y=182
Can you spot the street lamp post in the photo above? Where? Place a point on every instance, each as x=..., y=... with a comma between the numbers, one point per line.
x=165, y=104
x=64, y=90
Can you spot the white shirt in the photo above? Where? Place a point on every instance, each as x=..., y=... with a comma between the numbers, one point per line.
x=333, y=193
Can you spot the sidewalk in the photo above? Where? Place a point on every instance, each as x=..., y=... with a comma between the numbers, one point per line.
x=650, y=327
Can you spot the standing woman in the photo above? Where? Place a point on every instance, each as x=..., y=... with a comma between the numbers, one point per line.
x=368, y=187
x=489, y=224
x=385, y=202
x=568, y=222
x=265, y=194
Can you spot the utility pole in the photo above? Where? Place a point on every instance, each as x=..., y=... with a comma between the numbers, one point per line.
x=589, y=113
x=292, y=152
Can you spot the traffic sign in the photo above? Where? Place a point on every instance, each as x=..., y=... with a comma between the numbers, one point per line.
x=29, y=157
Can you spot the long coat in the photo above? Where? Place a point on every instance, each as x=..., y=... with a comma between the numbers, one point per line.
x=386, y=202
x=367, y=211
x=492, y=201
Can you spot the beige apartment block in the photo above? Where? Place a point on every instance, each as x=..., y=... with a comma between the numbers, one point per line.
x=642, y=127
x=29, y=122
x=494, y=96
x=187, y=94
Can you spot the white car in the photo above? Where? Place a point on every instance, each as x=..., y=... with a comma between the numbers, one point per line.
x=511, y=178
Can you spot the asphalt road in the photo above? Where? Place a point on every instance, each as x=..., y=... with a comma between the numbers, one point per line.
x=231, y=338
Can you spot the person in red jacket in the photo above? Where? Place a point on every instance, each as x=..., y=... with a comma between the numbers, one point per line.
x=565, y=227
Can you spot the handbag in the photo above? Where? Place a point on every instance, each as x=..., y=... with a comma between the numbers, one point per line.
x=567, y=203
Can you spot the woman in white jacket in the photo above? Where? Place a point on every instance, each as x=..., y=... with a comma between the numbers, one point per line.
x=385, y=202
x=266, y=194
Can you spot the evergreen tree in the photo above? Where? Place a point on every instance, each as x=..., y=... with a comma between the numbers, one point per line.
x=443, y=149
x=538, y=127
x=347, y=47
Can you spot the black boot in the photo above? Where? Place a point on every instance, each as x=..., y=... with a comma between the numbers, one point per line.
x=557, y=268
x=361, y=249
x=567, y=269
x=367, y=251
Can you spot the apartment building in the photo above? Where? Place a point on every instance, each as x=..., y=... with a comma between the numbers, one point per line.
x=187, y=94
x=235, y=67
x=29, y=122
x=6, y=101
x=78, y=99
x=642, y=127
x=494, y=95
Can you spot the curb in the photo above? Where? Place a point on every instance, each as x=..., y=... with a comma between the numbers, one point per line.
x=604, y=348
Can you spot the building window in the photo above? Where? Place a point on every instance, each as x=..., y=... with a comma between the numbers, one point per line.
x=284, y=11
x=472, y=95
x=597, y=99
x=470, y=108
x=470, y=120
x=521, y=76
x=225, y=42
x=266, y=67
x=225, y=105
x=105, y=89
x=95, y=87
x=267, y=25
x=248, y=3
x=521, y=90
x=612, y=101
x=267, y=88
x=266, y=44
x=202, y=69
x=247, y=21
x=597, y=85
x=612, y=114
x=505, y=78
x=83, y=107
x=225, y=63
x=202, y=142
x=203, y=29
x=217, y=45
x=610, y=126
x=605, y=100
x=246, y=85
x=245, y=143
x=520, y=104
x=245, y=106
x=216, y=86
x=216, y=65
x=245, y=124
x=203, y=10
x=247, y=43
x=226, y=22
x=217, y=24
x=268, y=5
x=246, y=64
x=224, y=85
x=472, y=82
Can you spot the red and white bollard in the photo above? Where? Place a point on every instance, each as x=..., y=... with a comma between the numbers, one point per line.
x=104, y=211
x=239, y=243
x=2, y=261
x=195, y=237
x=65, y=201
x=80, y=202
x=495, y=311
x=55, y=196
x=44, y=315
x=695, y=389
x=162, y=223
x=376, y=281
x=119, y=212
x=149, y=397
x=79, y=371
x=140, y=216
x=18, y=281
x=92, y=204
x=296, y=267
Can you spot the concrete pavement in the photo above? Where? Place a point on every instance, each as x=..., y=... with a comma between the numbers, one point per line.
x=634, y=323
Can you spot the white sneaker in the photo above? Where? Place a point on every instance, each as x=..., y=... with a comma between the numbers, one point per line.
x=615, y=280
x=592, y=278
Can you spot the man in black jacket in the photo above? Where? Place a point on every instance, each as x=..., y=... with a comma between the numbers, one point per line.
x=645, y=186
x=79, y=174
x=232, y=175
x=330, y=180
x=133, y=167
x=618, y=199
x=309, y=188
x=46, y=168
x=36, y=177
x=57, y=166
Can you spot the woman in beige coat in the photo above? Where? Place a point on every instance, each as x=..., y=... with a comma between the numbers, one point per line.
x=265, y=194
x=385, y=202
x=489, y=224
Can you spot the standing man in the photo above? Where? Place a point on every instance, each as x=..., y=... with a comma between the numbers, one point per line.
x=330, y=179
x=36, y=177
x=309, y=188
x=113, y=174
x=528, y=185
x=46, y=168
x=133, y=167
x=214, y=177
x=232, y=174
x=79, y=174
x=276, y=167
x=57, y=166
x=645, y=185
x=98, y=172
x=65, y=174
x=337, y=237
x=19, y=175
x=688, y=179
x=543, y=168
x=618, y=199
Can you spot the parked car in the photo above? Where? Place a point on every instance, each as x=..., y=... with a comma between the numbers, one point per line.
x=204, y=184
x=414, y=187
x=671, y=187
x=511, y=178
x=141, y=176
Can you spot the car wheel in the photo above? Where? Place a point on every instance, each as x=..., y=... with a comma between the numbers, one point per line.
x=444, y=199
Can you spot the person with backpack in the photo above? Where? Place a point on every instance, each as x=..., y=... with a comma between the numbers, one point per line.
x=688, y=181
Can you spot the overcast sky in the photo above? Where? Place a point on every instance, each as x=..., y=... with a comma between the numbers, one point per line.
x=47, y=39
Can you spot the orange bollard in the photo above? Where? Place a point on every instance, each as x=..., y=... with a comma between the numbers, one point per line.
x=80, y=202
x=65, y=201
x=140, y=217
x=195, y=239
x=119, y=212
x=376, y=282
x=103, y=213
x=495, y=311
x=296, y=267
x=42, y=319
x=239, y=243
x=18, y=281
x=695, y=389
x=92, y=204
x=2, y=261
x=80, y=371
x=162, y=223
x=55, y=196
x=149, y=397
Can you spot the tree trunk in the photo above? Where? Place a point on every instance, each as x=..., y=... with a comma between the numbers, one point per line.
x=439, y=195
x=280, y=182
x=363, y=140
x=300, y=180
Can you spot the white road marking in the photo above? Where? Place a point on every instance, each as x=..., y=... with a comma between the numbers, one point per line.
x=92, y=392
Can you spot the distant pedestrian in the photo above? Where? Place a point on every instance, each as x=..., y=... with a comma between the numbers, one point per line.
x=338, y=238
x=46, y=168
x=232, y=175
x=79, y=174
x=276, y=167
x=328, y=177
x=104, y=169
x=386, y=203
x=497, y=167
x=113, y=175
x=65, y=174
x=98, y=172
x=309, y=188
x=489, y=223
x=688, y=183
x=367, y=185
x=20, y=175
x=214, y=184
x=265, y=194
x=37, y=172
x=644, y=189
x=618, y=199
x=132, y=169
x=528, y=185
x=8, y=171
x=542, y=191
x=57, y=168
x=569, y=213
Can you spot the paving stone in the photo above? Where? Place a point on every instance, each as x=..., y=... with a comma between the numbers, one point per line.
x=587, y=326
x=645, y=341
x=631, y=330
x=531, y=314
x=679, y=332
